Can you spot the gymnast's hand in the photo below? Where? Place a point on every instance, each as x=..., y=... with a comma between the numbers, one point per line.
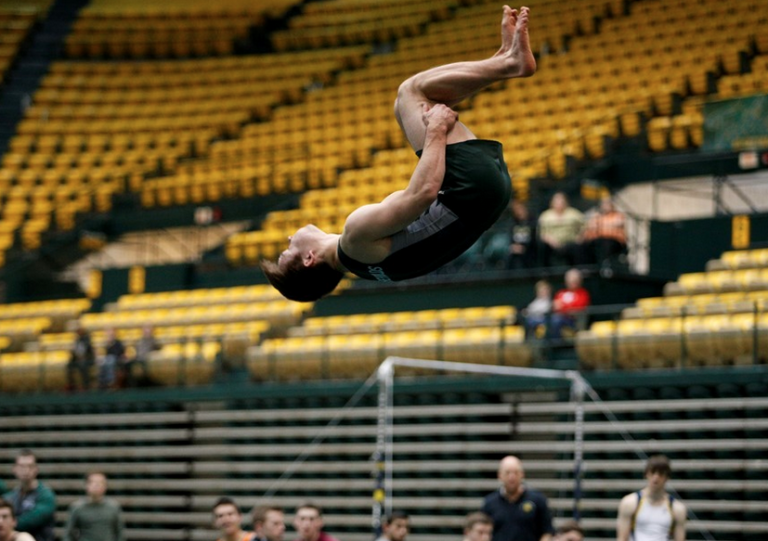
x=439, y=116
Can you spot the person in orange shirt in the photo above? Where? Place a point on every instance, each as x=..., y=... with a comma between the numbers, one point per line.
x=604, y=235
x=228, y=519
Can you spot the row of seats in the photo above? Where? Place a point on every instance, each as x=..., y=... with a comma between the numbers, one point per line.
x=174, y=30
x=334, y=26
x=448, y=318
x=719, y=281
x=674, y=341
x=709, y=318
x=740, y=259
x=77, y=146
x=698, y=304
x=16, y=22
x=276, y=311
x=357, y=355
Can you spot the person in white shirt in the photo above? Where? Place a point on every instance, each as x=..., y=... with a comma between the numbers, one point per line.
x=652, y=514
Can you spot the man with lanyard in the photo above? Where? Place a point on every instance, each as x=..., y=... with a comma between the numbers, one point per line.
x=652, y=514
x=34, y=504
x=518, y=513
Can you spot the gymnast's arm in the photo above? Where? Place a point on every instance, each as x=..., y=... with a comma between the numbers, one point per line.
x=372, y=223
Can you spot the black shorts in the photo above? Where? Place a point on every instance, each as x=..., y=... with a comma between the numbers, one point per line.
x=477, y=186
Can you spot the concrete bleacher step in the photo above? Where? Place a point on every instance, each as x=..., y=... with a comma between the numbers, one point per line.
x=439, y=475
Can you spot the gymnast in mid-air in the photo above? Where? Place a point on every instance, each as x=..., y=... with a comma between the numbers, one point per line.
x=458, y=190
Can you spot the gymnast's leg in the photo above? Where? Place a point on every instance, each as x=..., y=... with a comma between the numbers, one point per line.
x=455, y=82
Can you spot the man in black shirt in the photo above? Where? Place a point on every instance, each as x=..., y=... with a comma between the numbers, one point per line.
x=518, y=513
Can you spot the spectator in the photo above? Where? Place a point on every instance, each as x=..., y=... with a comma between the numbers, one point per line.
x=8, y=524
x=568, y=304
x=522, y=249
x=604, y=235
x=394, y=527
x=81, y=360
x=478, y=527
x=570, y=530
x=559, y=231
x=537, y=313
x=94, y=518
x=652, y=514
x=268, y=523
x=33, y=502
x=114, y=357
x=517, y=512
x=228, y=519
x=309, y=524
x=144, y=347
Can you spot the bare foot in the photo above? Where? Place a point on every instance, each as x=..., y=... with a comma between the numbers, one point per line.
x=515, y=45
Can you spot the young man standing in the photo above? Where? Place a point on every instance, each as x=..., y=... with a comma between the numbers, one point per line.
x=8, y=524
x=478, y=527
x=394, y=527
x=309, y=524
x=652, y=514
x=95, y=517
x=570, y=530
x=268, y=523
x=34, y=504
x=228, y=519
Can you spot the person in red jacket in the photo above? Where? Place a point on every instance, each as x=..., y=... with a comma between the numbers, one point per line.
x=568, y=304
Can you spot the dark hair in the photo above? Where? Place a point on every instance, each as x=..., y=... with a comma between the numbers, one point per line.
x=309, y=505
x=477, y=517
x=570, y=526
x=260, y=513
x=5, y=504
x=394, y=515
x=301, y=283
x=658, y=464
x=224, y=500
x=26, y=452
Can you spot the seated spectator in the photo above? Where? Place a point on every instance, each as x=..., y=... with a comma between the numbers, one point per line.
x=537, y=313
x=570, y=530
x=81, y=360
x=568, y=304
x=522, y=249
x=560, y=232
x=604, y=235
x=114, y=357
x=144, y=347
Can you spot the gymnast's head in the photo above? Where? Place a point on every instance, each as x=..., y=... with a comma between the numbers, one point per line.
x=302, y=273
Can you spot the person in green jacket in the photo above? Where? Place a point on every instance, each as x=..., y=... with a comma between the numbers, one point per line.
x=95, y=517
x=33, y=502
